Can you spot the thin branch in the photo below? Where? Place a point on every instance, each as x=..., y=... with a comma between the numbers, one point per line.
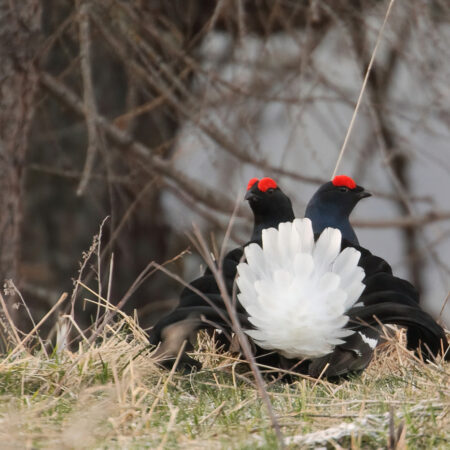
x=154, y=163
x=149, y=270
x=404, y=222
x=187, y=108
x=208, y=215
x=88, y=94
x=243, y=340
x=444, y=305
x=22, y=343
x=12, y=327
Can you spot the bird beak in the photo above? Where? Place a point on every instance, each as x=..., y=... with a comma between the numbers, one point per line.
x=364, y=194
x=249, y=195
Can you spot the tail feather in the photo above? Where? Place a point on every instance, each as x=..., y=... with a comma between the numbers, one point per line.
x=370, y=263
x=297, y=299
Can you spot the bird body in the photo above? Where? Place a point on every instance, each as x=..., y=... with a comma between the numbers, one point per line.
x=296, y=291
x=322, y=218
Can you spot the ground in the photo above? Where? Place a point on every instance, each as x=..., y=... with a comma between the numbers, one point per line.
x=110, y=394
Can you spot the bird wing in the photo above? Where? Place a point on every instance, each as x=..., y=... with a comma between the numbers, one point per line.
x=181, y=325
x=424, y=334
x=392, y=300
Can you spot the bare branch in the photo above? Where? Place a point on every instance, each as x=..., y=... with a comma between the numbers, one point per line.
x=154, y=163
x=404, y=222
x=88, y=93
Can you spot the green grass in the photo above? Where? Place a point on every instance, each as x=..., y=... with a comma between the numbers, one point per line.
x=111, y=395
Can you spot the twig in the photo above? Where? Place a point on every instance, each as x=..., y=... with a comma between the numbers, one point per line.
x=147, y=272
x=153, y=163
x=193, y=205
x=126, y=216
x=363, y=87
x=8, y=317
x=88, y=93
x=75, y=174
x=11, y=283
x=243, y=340
x=194, y=290
x=404, y=222
x=111, y=270
x=444, y=305
x=22, y=343
x=99, y=271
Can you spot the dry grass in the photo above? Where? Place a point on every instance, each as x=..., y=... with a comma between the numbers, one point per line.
x=111, y=395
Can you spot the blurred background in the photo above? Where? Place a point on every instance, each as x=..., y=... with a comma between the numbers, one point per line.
x=155, y=114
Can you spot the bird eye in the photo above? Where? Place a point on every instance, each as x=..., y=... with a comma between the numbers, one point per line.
x=343, y=189
x=270, y=190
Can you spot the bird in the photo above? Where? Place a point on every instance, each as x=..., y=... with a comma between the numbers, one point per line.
x=332, y=204
x=313, y=301
x=311, y=298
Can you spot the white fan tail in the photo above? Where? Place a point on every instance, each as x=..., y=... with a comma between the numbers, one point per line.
x=297, y=291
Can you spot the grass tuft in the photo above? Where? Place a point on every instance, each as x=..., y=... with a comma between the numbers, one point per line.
x=111, y=394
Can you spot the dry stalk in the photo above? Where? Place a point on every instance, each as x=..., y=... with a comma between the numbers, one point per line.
x=22, y=343
x=243, y=340
x=363, y=88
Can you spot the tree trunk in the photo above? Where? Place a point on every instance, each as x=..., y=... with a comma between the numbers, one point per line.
x=20, y=23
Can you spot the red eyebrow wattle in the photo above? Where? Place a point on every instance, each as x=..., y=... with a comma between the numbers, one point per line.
x=266, y=183
x=251, y=183
x=344, y=180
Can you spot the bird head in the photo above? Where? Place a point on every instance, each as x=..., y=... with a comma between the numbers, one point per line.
x=266, y=199
x=269, y=204
x=341, y=193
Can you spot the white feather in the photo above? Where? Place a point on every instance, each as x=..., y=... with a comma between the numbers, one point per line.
x=371, y=342
x=297, y=291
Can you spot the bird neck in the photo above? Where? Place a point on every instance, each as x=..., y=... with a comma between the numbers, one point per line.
x=262, y=222
x=327, y=216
